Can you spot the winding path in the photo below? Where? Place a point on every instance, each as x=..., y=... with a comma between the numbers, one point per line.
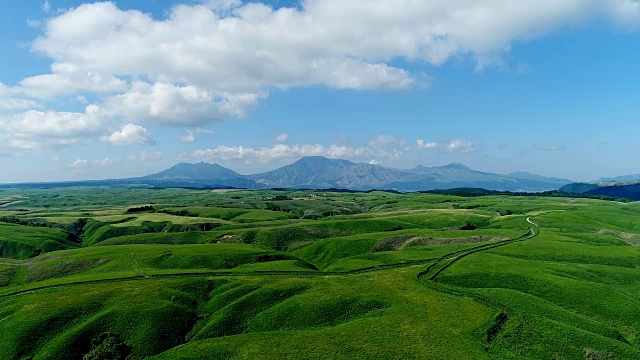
x=435, y=268
x=140, y=270
x=444, y=262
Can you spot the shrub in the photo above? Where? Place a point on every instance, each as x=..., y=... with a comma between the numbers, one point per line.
x=108, y=346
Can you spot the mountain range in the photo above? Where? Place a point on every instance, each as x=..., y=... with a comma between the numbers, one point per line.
x=626, y=189
x=324, y=173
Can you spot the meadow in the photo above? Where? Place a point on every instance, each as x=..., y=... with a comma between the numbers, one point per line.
x=139, y=273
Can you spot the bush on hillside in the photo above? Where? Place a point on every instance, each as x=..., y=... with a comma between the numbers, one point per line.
x=108, y=346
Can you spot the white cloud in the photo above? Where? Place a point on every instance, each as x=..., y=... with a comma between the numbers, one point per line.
x=166, y=104
x=46, y=6
x=324, y=42
x=205, y=131
x=34, y=24
x=222, y=5
x=373, y=162
x=150, y=156
x=216, y=60
x=282, y=138
x=146, y=156
x=9, y=102
x=188, y=137
x=104, y=162
x=80, y=163
x=268, y=154
x=12, y=104
x=460, y=145
x=54, y=124
x=66, y=79
x=280, y=151
x=549, y=147
x=463, y=146
x=130, y=134
x=385, y=141
x=426, y=145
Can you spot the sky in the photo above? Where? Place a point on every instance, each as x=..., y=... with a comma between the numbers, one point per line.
x=97, y=90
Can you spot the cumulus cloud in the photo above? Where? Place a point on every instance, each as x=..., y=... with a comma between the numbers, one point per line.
x=463, y=146
x=104, y=162
x=130, y=134
x=217, y=59
x=222, y=5
x=549, y=147
x=188, y=137
x=205, y=131
x=381, y=147
x=282, y=138
x=324, y=42
x=146, y=156
x=35, y=129
x=66, y=79
x=228, y=60
x=268, y=154
x=80, y=163
x=10, y=104
x=167, y=104
x=460, y=145
x=426, y=145
x=150, y=156
x=385, y=141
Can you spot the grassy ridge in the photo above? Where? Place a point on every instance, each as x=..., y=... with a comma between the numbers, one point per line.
x=252, y=275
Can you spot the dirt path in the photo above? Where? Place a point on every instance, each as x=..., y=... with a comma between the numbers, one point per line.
x=143, y=276
x=444, y=262
x=12, y=203
x=436, y=267
x=140, y=270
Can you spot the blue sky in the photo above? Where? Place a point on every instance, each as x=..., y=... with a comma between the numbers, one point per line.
x=109, y=90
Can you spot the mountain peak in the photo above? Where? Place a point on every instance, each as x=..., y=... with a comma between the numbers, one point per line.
x=322, y=173
x=320, y=160
x=456, y=166
x=197, y=171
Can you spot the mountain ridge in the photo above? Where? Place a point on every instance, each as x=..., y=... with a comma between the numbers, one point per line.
x=321, y=172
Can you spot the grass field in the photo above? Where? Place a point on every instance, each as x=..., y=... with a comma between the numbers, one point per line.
x=185, y=274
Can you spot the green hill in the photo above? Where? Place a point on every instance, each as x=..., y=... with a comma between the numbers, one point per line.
x=372, y=275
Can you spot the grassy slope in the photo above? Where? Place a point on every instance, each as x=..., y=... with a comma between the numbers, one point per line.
x=21, y=242
x=568, y=292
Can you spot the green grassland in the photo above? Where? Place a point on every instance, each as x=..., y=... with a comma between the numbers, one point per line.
x=186, y=274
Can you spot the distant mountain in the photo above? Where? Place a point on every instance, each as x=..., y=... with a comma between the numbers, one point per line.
x=199, y=175
x=185, y=171
x=633, y=177
x=534, y=177
x=621, y=189
x=320, y=172
x=578, y=188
